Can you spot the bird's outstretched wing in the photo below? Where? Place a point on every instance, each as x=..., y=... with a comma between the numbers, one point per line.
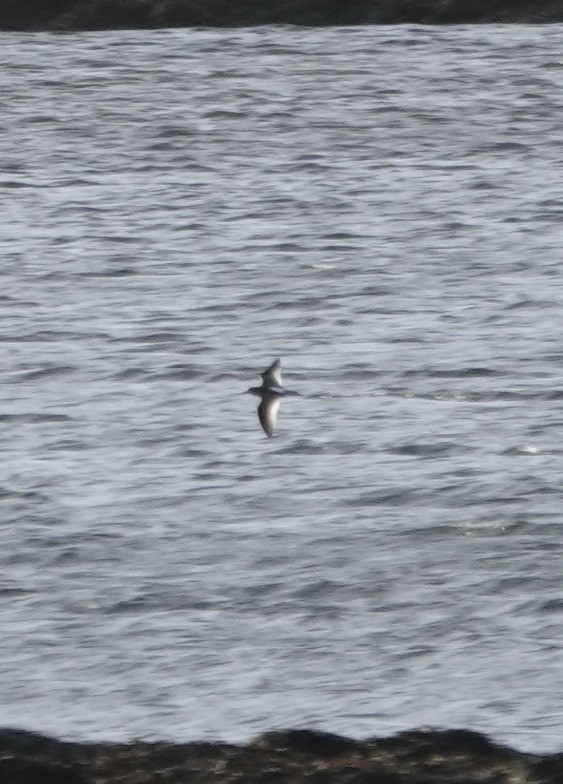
x=272, y=375
x=268, y=413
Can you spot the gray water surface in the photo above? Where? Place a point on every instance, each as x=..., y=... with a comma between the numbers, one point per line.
x=382, y=208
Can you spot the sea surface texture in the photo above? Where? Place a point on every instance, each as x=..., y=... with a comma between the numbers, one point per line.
x=381, y=208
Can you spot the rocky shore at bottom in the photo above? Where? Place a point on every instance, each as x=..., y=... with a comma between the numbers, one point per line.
x=284, y=757
x=67, y=15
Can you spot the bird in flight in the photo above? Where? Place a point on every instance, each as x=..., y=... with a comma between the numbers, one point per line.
x=271, y=391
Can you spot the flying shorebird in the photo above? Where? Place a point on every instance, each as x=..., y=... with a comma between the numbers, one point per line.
x=271, y=393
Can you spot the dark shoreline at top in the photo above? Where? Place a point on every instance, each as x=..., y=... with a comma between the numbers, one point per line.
x=285, y=757
x=82, y=15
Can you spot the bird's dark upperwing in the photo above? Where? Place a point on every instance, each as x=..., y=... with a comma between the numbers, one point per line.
x=271, y=377
x=268, y=413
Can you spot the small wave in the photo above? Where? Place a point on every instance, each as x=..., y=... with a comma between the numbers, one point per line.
x=476, y=371
x=382, y=498
x=118, y=272
x=522, y=449
x=46, y=372
x=303, y=447
x=422, y=450
x=35, y=418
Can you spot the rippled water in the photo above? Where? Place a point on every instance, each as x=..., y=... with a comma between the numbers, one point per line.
x=381, y=207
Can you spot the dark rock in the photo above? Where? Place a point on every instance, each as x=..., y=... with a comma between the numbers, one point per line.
x=18, y=771
x=288, y=757
x=548, y=768
x=30, y=758
x=322, y=745
x=110, y=14
x=419, y=744
x=104, y=15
